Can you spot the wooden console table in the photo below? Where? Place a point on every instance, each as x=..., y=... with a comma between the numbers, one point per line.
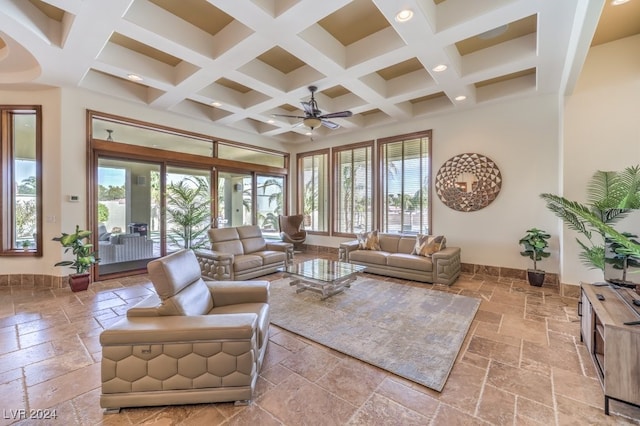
x=614, y=346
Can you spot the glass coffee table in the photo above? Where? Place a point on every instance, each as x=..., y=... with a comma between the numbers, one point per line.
x=323, y=276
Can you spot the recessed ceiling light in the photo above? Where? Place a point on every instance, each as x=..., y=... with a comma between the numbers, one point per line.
x=134, y=77
x=618, y=2
x=308, y=133
x=439, y=68
x=270, y=121
x=461, y=98
x=404, y=15
x=216, y=104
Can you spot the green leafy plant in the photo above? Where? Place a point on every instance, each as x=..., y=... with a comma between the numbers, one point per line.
x=535, y=243
x=84, y=253
x=189, y=212
x=581, y=219
x=610, y=196
x=26, y=244
x=103, y=213
x=620, y=260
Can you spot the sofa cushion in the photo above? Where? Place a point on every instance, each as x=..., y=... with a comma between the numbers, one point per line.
x=369, y=240
x=389, y=242
x=103, y=235
x=369, y=256
x=232, y=247
x=225, y=240
x=254, y=244
x=406, y=244
x=270, y=257
x=194, y=299
x=426, y=245
x=246, y=261
x=249, y=231
x=410, y=261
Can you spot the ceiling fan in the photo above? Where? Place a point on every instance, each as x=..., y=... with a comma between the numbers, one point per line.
x=313, y=117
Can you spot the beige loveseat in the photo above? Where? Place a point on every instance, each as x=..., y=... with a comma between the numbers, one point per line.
x=395, y=259
x=242, y=253
x=195, y=341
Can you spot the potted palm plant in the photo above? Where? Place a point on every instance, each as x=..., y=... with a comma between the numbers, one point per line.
x=189, y=212
x=535, y=243
x=84, y=261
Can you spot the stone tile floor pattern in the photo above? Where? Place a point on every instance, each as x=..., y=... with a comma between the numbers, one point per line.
x=522, y=363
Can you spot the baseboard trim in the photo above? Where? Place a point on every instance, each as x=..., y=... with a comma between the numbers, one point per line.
x=33, y=281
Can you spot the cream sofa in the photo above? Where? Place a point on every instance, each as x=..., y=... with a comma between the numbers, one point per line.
x=195, y=341
x=395, y=259
x=242, y=253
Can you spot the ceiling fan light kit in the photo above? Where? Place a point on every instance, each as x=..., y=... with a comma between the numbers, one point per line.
x=313, y=116
x=312, y=122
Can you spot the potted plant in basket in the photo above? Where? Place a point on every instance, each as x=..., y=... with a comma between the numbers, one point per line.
x=85, y=257
x=535, y=243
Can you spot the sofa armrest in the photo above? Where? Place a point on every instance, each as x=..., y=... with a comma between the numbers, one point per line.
x=278, y=245
x=282, y=246
x=170, y=329
x=148, y=307
x=234, y=292
x=446, y=265
x=215, y=265
x=346, y=248
x=446, y=253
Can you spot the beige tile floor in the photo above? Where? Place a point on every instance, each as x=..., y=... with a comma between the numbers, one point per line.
x=521, y=364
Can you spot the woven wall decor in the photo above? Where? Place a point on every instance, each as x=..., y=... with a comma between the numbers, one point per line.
x=468, y=182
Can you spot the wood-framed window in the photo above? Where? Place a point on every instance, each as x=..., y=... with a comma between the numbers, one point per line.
x=353, y=189
x=314, y=191
x=21, y=180
x=405, y=183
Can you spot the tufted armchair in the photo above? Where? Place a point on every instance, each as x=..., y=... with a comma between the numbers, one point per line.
x=194, y=341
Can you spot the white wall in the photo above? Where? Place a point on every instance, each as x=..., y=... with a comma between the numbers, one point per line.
x=601, y=130
x=521, y=137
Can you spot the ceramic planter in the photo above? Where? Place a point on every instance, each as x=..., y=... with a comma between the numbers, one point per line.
x=79, y=282
x=535, y=277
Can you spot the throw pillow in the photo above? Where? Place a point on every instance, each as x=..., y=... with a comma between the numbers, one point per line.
x=369, y=240
x=426, y=245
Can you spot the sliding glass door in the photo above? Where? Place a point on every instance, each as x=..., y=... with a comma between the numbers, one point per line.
x=188, y=207
x=128, y=213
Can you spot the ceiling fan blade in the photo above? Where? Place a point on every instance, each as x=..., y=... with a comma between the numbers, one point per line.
x=308, y=107
x=285, y=115
x=339, y=114
x=330, y=124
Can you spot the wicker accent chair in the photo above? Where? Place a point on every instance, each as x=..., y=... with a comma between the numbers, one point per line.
x=291, y=230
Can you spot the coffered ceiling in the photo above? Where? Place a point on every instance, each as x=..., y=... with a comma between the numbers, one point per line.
x=237, y=63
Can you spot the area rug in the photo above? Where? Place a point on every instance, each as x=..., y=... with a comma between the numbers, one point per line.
x=408, y=330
